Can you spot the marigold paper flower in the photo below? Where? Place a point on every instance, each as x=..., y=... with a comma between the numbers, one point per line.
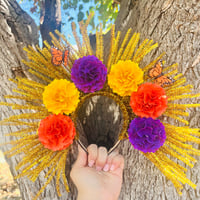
x=146, y=134
x=61, y=96
x=56, y=132
x=89, y=74
x=149, y=100
x=124, y=77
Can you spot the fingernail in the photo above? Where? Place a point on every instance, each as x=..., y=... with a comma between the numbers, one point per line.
x=106, y=168
x=98, y=168
x=112, y=168
x=91, y=163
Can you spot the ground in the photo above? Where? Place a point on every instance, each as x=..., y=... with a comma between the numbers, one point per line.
x=8, y=188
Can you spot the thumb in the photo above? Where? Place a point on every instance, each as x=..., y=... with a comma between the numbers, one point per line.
x=81, y=159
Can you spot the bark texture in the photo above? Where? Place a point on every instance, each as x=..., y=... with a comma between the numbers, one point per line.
x=17, y=29
x=175, y=25
x=50, y=19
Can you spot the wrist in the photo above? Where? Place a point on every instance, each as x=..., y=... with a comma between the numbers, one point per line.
x=92, y=196
x=82, y=196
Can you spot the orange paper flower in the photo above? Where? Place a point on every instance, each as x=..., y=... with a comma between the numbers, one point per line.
x=124, y=77
x=56, y=132
x=149, y=101
x=61, y=96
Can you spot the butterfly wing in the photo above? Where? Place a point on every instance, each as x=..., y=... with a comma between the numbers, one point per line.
x=57, y=56
x=156, y=71
x=65, y=57
x=163, y=81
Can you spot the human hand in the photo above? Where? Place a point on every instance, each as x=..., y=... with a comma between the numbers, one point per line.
x=97, y=175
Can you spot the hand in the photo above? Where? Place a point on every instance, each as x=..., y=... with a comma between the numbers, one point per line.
x=98, y=175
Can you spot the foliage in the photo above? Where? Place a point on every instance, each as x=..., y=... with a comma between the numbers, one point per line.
x=77, y=10
x=105, y=11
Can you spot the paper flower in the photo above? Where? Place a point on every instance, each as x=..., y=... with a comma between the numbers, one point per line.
x=88, y=74
x=149, y=100
x=124, y=77
x=146, y=134
x=56, y=132
x=61, y=96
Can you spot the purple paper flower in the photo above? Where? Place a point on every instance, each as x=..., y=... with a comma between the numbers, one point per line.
x=89, y=74
x=146, y=134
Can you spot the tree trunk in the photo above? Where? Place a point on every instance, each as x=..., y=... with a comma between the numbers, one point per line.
x=17, y=29
x=175, y=26
x=50, y=19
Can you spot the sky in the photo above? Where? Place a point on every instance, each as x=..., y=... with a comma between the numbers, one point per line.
x=26, y=5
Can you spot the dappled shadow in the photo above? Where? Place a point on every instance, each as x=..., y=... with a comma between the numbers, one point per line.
x=100, y=121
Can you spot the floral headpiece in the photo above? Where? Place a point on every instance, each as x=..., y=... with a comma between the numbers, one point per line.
x=144, y=93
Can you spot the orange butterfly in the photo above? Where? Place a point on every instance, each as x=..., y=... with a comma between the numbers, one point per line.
x=59, y=57
x=159, y=78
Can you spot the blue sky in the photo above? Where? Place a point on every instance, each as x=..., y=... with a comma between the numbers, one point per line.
x=26, y=5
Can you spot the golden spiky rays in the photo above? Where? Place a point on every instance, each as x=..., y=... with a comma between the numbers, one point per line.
x=37, y=158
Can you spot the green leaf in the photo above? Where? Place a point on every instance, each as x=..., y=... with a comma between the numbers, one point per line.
x=67, y=13
x=91, y=8
x=80, y=7
x=115, y=15
x=75, y=3
x=92, y=23
x=70, y=19
x=80, y=16
x=65, y=6
x=85, y=1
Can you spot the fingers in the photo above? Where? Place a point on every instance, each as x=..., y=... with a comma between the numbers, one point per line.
x=92, y=154
x=81, y=159
x=117, y=162
x=114, y=161
x=99, y=158
x=109, y=161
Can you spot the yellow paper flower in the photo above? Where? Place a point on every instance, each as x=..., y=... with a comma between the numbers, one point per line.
x=124, y=77
x=61, y=96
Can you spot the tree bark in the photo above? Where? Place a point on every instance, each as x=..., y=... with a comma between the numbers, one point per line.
x=175, y=26
x=50, y=19
x=17, y=29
